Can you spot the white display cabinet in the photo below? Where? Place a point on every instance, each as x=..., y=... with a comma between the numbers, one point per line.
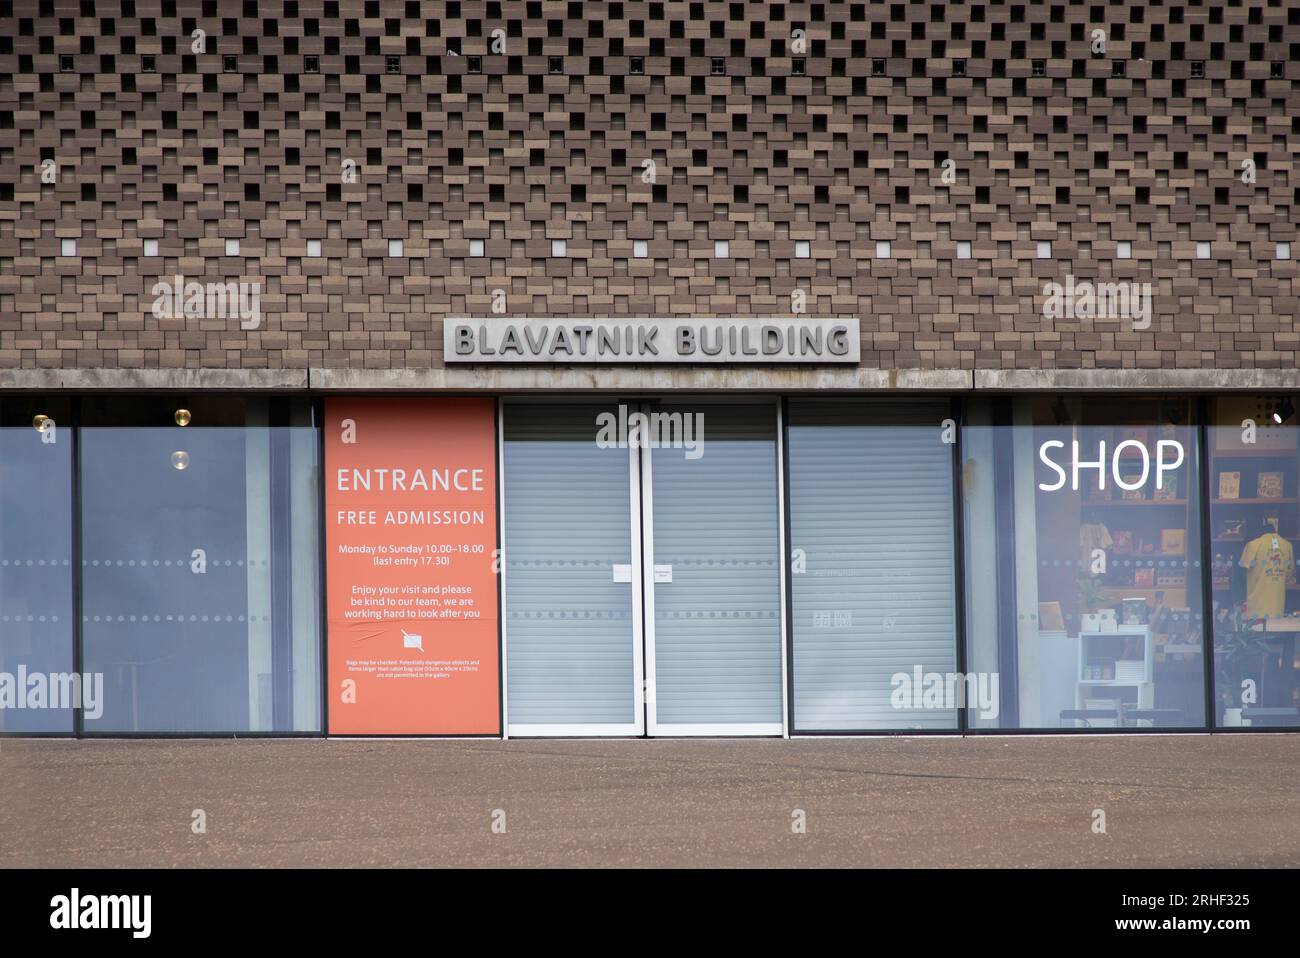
x=1115, y=667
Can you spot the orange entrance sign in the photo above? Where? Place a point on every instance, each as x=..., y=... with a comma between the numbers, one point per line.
x=411, y=570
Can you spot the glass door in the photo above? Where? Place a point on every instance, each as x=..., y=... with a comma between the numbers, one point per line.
x=643, y=569
x=571, y=599
x=712, y=570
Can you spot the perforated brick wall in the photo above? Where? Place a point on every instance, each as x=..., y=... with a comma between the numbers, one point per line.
x=695, y=158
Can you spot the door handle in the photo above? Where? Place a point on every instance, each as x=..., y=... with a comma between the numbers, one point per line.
x=663, y=573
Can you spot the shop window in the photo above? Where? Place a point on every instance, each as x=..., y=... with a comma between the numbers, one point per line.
x=1083, y=583
x=36, y=611
x=200, y=557
x=1254, y=532
x=873, y=556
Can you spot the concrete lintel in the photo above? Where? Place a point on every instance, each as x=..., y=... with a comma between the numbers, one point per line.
x=1137, y=380
x=182, y=380
x=656, y=379
x=642, y=379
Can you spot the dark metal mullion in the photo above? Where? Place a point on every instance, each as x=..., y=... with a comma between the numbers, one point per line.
x=1201, y=431
x=78, y=636
x=1002, y=422
x=959, y=555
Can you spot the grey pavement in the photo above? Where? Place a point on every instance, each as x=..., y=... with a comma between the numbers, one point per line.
x=1169, y=801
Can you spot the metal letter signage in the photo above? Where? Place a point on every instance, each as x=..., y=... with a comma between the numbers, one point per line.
x=754, y=340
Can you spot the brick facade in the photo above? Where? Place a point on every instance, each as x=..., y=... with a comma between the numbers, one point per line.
x=753, y=143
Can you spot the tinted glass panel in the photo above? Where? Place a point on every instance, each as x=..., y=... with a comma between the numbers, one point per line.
x=1084, y=578
x=1255, y=529
x=200, y=565
x=36, y=612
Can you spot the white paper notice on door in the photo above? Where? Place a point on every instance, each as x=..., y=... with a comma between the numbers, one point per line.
x=663, y=573
x=622, y=573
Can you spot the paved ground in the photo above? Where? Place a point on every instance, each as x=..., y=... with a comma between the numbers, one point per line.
x=984, y=802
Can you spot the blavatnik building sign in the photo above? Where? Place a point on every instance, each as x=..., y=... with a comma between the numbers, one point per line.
x=650, y=341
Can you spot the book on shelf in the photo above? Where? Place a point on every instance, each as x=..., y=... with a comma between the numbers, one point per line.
x=1230, y=485
x=1050, y=617
x=1231, y=529
x=1132, y=495
x=1269, y=485
x=1134, y=610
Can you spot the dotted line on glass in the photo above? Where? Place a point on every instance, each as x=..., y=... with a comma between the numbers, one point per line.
x=174, y=618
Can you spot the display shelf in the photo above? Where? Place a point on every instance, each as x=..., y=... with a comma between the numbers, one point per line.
x=1247, y=514
x=1135, y=587
x=1228, y=588
x=1254, y=453
x=1090, y=503
x=1284, y=501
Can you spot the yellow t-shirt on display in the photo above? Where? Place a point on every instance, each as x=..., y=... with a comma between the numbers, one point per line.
x=1268, y=560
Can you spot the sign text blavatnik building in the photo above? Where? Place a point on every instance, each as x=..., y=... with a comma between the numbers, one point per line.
x=752, y=340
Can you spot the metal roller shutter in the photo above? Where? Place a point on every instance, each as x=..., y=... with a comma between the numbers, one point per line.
x=871, y=508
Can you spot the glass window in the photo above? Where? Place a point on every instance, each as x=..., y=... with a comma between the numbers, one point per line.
x=1254, y=529
x=1082, y=556
x=36, y=613
x=200, y=564
x=872, y=565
